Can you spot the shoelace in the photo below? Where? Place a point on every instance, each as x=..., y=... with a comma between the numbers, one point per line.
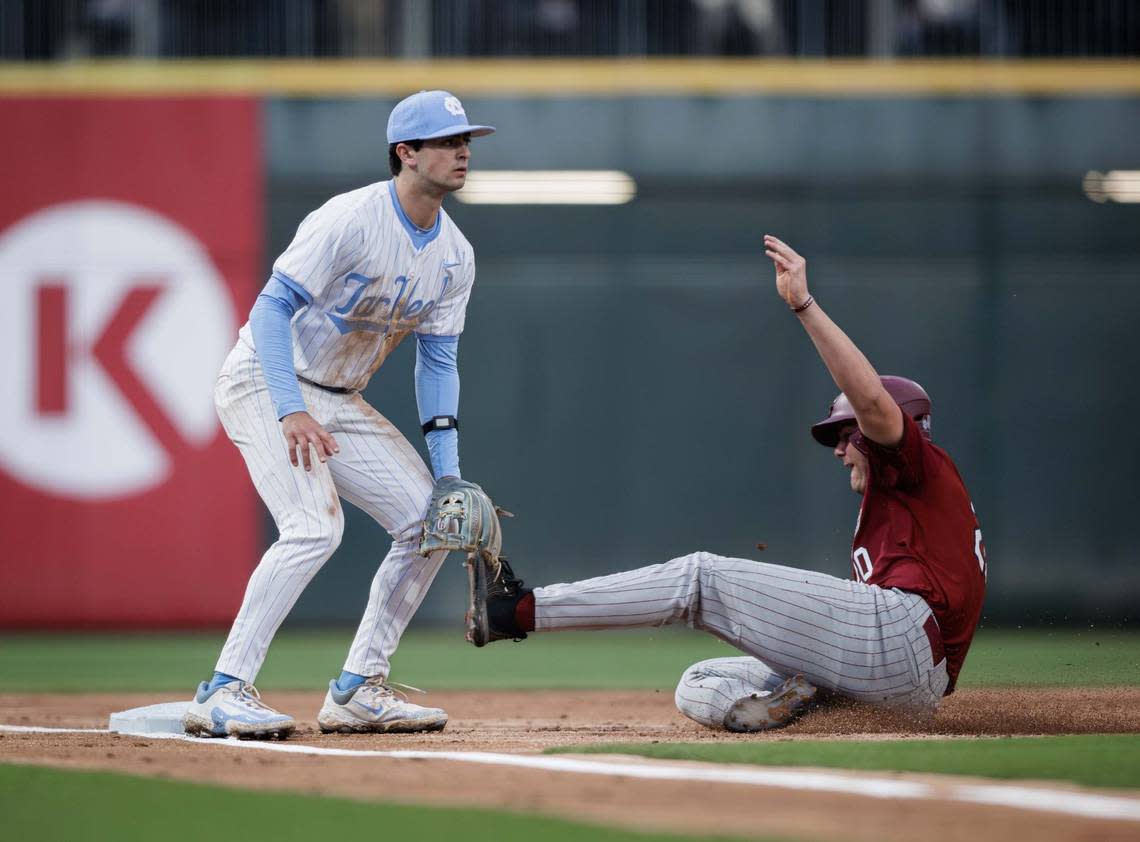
x=247, y=695
x=507, y=576
x=379, y=688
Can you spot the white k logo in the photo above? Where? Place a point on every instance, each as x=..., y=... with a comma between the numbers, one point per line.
x=117, y=324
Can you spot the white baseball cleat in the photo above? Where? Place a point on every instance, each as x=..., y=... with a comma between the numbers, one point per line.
x=375, y=707
x=234, y=710
x=761, y=711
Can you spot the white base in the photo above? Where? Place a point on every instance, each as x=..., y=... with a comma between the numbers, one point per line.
x=164, y=718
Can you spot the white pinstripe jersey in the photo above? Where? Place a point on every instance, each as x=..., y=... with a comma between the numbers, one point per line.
x=355, y=259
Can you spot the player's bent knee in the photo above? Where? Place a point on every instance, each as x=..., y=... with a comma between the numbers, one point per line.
x=702, y=562
x=690, y=679
x=697, y=559
x=331, y=535
x=680, y=698
x=695, y=672
x=327, y=531
x=409, y=533
x=694, y=702
x=690, y=566
x=336, y=530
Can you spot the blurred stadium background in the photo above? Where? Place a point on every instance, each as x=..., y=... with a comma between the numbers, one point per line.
x=963, y=176
x=36, y=30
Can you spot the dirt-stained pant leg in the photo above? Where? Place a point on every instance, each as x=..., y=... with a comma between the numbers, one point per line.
x=304, y=505
x=859, y=640
x=709, y=688
x=379, y=471
x=376, y=469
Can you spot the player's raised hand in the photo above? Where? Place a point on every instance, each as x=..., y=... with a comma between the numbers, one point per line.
x=791, y=271
x=301, y=430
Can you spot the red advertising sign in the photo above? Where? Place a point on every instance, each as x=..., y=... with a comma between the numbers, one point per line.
x=130, y=248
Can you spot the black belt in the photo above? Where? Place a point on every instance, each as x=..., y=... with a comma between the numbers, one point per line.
x=340, y=390
x=934, y=637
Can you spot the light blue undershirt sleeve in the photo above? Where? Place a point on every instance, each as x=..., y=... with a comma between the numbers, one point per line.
x=269, y=322
x=437, y=393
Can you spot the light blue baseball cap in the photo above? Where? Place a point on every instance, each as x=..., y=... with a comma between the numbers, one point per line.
x=430, y=114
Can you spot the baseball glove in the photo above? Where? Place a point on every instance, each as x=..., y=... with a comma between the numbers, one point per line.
x=462, y=517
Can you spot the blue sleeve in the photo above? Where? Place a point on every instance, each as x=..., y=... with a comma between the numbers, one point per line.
x=437, y=393
x=273, y=340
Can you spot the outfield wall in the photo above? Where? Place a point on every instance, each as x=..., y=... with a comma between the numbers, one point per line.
x=634, y=390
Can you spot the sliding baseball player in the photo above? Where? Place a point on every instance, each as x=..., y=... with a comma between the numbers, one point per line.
x=896, y=633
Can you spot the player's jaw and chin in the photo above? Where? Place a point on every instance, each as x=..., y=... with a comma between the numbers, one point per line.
x=440, y=184
x=858, y=476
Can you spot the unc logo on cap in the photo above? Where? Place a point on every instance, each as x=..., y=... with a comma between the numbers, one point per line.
x=429, y=115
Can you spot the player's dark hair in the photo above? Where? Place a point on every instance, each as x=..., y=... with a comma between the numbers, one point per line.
x=394, y=163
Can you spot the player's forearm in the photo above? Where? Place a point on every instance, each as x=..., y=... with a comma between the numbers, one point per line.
x=849, y=368
x=437, y=395
x=269, y=322
x=878, y=416
x=443, y=450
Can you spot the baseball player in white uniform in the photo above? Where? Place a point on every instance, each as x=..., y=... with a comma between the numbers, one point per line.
x=364, y=271
x=897, y=633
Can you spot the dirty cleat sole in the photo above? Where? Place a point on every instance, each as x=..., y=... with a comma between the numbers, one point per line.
x=376, y=708
x=337, y=721
x=478, y=628
x=195, y=726
x=328, y=727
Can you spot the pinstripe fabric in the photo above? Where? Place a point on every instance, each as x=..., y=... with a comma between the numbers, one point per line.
x=398, y=504
x=855, y=639
x=709, y=688
x=377, y=469
x=368, y=285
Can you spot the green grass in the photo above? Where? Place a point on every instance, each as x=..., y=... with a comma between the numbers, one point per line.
x=1098, y=760
x=307, y=660
x=50, y=804
x=1053, y=658
x=647, y=659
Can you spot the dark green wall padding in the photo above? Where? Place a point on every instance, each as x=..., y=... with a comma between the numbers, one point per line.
x=634, y=390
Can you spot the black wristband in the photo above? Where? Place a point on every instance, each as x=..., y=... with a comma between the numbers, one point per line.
x=441, y=422
x=810, y=301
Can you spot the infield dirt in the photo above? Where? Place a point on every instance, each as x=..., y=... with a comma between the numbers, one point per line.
x=527, y=722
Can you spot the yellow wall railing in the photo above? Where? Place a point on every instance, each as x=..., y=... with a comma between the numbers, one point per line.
x=580, y=77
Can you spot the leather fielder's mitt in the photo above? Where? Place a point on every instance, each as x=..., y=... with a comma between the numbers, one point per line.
x=462, y=517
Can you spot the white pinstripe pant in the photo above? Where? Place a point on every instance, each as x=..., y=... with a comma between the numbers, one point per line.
x=858, y=640
x=376, y=470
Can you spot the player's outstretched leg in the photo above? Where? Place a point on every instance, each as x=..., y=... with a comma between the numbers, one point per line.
x=741, y=694
x=234, y=709
x=867, y=643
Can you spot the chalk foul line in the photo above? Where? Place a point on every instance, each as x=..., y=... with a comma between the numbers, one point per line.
x=1042, y=799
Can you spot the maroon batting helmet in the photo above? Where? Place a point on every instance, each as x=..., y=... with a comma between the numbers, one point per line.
x=907, y=394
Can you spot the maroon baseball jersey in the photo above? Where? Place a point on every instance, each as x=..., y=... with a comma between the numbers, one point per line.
x=917, y=532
